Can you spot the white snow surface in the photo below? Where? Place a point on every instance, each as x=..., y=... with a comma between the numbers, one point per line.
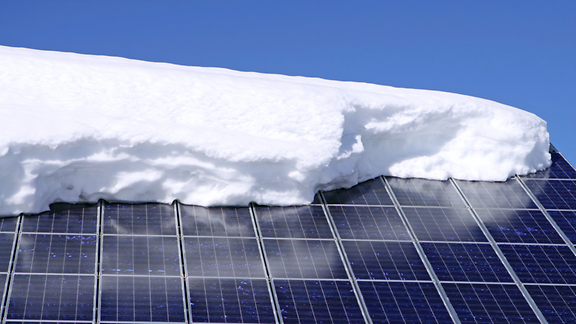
x=77, y=128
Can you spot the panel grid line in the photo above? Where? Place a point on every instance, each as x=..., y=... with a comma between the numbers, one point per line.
x=184, y=276
x=502, y=258
x=422, y=255
x=12, y=269
x=97, y=286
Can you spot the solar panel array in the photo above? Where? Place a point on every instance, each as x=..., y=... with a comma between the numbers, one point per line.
x=388, y=250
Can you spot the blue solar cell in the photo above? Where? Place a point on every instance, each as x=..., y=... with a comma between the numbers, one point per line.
x=466, y=262
x=150, y=219
x=444, y=224
x=3, y=277
x=310, y=301
x=223, y=257
x=519, y=226
x=554, y=194
x=375, y=223
x=404, y=302
x=8, y=224
x=140, y=255
x=420, y=192
x=560, y=169
x=509, y=194
x=489, y=303
x=385, y=260
x=53, y=253
x=145, y=298
x=216, y=221
x=6, y=249
x=371, y=192
x=557, y=303
x=230, y=300
x=542, y=263
x=566, y=220
x=296, y=222
x=67, y=218
x=51, y=297
x=304, y=259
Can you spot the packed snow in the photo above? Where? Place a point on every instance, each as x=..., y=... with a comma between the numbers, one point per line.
x=77, y=128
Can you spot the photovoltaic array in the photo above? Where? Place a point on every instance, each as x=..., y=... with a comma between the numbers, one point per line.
x=386, y=251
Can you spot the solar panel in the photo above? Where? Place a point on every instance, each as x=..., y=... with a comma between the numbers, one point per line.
x=388, y=250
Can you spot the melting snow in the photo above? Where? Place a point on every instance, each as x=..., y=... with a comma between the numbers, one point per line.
x=77, y=128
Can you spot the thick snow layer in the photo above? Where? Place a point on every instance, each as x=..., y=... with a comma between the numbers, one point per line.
x=78, y=128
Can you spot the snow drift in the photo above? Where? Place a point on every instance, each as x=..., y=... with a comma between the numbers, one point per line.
x=78, y=128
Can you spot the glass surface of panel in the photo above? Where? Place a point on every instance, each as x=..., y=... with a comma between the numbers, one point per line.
x=519, y=226
x=146, y=219
x=541, y=263
x=404, y=302
x=216, y=221
x=566, y=220
x=145, y=298
x=295, y=221
x=304, y=259
x=217, y=300
x=557, y=303
x=51, y=297
x=385, y=260
x=489, y=303
x=8, y=224
x=554, y=194
x=420, y=192
x=509, y=194
x=465, y=262
x=140, y=255
x=223, y=257
x=310, y=301
x=444, y=224
x=560, y=169
x=56, y=253
x=66, y=218
x=371, y=192
x=375, y=223
x=6, y=249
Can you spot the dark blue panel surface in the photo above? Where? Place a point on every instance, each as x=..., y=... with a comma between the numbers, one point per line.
x=560, y=169
x=8, y=224
x=371, y=192
x=509, y=194
x=557, y=303
x=223, y=257
x=3, y=278
x=444, y=224
x=150, y=219
x=216, y=221
x=420, y=192
x=566, y=220
x=301, y=221
x=385, y=260
x=53, y=253
x=554, y=194
x=310, y=301
x=146, y=298
x=140, y=255
x=51, y=297
x=404, y=302
x=541, y=263
x=6, y=249
x=519, y=226
x=304, y=259
x=375, y=223
x=65, y=218
x=230, y=300
x=465, y=262
x=491, y=303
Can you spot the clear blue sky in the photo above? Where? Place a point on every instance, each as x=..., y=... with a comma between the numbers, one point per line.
x=521, y=53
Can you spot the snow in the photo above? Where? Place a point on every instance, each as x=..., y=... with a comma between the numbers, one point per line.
x=77, y=128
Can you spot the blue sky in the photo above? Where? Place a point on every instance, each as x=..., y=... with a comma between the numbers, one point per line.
x=520, y=53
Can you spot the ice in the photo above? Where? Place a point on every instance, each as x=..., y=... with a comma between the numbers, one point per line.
x=77, y=128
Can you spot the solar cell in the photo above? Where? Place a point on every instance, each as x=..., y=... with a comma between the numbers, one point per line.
x=216, y=221
x=420, y=192
x=374, y=223
x=554, y=194
x=317, y=301
x=7, y=241
x=404, y=302
x=145, y=219
x=509, y=194
x=371, y=192
x=81, y=219
x=294, y=222
x=560, y=169
x=466, y=262
x=557, y=303
x=489, y=303
x=8, y=224
x=566, y=220
x=444, y=224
